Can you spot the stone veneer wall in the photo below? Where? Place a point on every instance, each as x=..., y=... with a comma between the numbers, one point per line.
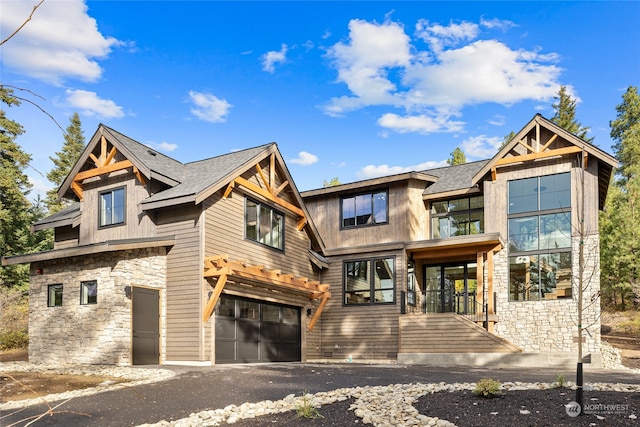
x=94, y=333
x=551, y=326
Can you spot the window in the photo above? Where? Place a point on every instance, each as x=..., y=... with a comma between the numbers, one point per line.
x=54, y=298
x=264, y=225
x=89, y=292
x=370, y=281
x=411, y=284
x=364, y=209
x=112, y=207
x=457, y=217
x=540, y=238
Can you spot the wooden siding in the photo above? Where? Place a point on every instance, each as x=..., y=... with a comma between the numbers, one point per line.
x=448, y=333
x=406, y=212
x=137, y=223
x=66, y=237
x=184, y=339
x=364, y=332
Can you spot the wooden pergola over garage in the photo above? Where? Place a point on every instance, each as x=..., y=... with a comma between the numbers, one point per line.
x=224, y=269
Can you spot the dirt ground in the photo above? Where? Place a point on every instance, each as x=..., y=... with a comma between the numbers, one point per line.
x=28, y=385
x=23, y=385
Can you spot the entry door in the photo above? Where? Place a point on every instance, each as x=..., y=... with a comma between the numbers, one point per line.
x=450, y=288
x=146, y=326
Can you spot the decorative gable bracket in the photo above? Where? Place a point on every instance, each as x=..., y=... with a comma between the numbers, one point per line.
x=103, y=165
x=269, y=192
x=537, y=152
x=222, y=268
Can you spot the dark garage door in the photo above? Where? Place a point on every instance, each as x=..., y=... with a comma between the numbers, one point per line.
x=249, y=331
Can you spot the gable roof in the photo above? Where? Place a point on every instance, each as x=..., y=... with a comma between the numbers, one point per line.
x=606, y=162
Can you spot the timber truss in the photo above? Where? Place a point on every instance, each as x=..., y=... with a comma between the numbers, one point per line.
x=536, y=151
x=104, y=164
x=223, y=269
x=269, y=192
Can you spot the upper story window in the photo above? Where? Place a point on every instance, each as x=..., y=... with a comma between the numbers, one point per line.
x=457, y=217
x=365, y=209
x=264, y=225
x=540, y=238
x=112, y=207
x=369, y=281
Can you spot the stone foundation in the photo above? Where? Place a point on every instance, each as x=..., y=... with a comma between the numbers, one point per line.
x=94, y=333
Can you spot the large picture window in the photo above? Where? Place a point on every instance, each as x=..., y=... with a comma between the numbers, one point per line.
x=54, y=295
x=364, y=209
x=369, y=281
x=540, y=238
x=264, y=225
x=112, y=207
x=457, y=217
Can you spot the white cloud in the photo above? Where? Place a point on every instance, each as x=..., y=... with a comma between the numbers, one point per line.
x=305, y=159
x=419, y=124
x=60, y=42
x=481, y=147
x=163, y=146
x=381, y=66
x=373, y=171
x=90, y=104
x=208, y=107
x=498, y=120
x=273, y=57
x=501, y=24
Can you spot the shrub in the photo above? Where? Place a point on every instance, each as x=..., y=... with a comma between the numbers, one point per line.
x=14, y=319
x=306, y=410
x=488, y=388
x=561, y=382
x=10, y=339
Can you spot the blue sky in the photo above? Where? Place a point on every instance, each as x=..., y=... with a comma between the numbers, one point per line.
x=352, y=90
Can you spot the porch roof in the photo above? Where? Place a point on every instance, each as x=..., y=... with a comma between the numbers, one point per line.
x=455, y=246
x=222, y=268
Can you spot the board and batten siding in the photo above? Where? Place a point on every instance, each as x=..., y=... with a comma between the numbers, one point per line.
x=366, y=331
x=137, y=224
x=184, y=338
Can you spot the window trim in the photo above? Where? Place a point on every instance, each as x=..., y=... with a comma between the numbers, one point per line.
x=124, y=207
x=384, y=191
x=371, y=279
x=259, y=206
x=49, y=289
x=84, y=298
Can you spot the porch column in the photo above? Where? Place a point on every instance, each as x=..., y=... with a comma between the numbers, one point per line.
x=480, y=277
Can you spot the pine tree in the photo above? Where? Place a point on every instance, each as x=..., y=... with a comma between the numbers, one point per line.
x=15, y=218
x=457, y=157
x=620, y=222
x=565, y=115
x=64, y=161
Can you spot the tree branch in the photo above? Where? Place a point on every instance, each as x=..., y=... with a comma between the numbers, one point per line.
x=23, y=24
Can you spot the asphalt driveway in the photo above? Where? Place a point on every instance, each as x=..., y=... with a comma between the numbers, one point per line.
x=202, y=388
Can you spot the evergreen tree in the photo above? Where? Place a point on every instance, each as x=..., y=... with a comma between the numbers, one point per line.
x=620, y=222
x=457, y=157
x=565, y=115
x=332, y=183
x=15, y=217
x=63, y=162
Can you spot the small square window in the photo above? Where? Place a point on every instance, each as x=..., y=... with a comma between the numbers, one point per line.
x=89, y=292
x=54, y=295
x=112, y=207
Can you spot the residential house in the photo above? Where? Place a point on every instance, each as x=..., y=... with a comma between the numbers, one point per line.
x=224, y=261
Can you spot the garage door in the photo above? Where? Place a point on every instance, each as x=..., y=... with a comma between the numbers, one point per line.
x=249, y=331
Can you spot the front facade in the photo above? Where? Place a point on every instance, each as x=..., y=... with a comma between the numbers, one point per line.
x=223, y=261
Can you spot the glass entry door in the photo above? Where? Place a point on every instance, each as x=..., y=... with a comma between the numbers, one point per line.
x=450, y=288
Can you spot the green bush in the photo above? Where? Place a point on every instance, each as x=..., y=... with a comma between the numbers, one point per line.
x=488, y=388
x=11, y=339
x=306, y=410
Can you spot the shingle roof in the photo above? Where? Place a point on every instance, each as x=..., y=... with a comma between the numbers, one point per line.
x=202, y=174
x=452, y=178
x=67, y=214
